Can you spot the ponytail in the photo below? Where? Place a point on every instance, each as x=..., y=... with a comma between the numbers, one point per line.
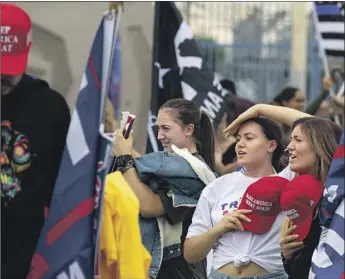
x=205, y=142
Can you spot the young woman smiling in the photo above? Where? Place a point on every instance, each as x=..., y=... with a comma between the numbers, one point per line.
x=181, y=123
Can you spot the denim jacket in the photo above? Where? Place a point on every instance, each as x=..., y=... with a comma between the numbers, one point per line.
x=159, y=170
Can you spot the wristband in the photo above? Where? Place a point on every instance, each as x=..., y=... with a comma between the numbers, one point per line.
x=128, y=166
x=121, y=161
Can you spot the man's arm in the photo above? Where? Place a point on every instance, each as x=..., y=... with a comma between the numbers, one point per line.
x=61, y=119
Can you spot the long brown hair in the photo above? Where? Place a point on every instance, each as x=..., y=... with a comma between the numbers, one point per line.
x=323, y=136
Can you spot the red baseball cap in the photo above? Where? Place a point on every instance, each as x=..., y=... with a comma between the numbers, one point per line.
x=15, y=39
x=263, y=198
x=298, y=201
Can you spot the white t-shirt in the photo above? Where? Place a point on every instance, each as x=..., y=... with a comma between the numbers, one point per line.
x=223, y=196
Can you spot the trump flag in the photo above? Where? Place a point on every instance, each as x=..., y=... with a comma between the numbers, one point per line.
x=68, y=241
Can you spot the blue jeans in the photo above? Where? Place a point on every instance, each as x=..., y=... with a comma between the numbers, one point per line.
x=218, y=275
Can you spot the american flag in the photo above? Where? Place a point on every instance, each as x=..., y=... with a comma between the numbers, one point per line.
x=328, y=257
x=66, y=248
x=330, y=24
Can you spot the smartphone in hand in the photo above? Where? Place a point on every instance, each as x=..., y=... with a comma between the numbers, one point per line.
x=127, y=121
x=128, y=127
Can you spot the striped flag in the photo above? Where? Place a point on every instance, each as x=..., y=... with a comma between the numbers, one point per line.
x=328, y=257
x=330, y=24
x=66, y=248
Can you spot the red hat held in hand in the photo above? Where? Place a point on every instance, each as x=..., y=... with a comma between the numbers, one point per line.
x=263, y=198
x=298, y=201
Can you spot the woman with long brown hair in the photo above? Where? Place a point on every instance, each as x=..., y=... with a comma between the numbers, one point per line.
x=312, y=143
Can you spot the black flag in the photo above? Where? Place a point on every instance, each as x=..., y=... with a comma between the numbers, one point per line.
x=179, y=70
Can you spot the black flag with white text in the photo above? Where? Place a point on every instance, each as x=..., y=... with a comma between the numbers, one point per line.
x=179, y=70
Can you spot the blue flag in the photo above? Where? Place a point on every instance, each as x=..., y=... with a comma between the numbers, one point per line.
x=328, y=257
x=66, y=248
x=115, y=82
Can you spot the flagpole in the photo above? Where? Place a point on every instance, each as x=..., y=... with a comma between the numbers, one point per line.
x=114, y=13
x=341, y=90
x=154, y=78
x=323, y=55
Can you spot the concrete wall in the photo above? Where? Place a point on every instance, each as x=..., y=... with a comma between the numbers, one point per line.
x=62, y=36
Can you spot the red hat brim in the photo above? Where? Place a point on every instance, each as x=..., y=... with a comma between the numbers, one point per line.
x=13, y=65
x=303, y=228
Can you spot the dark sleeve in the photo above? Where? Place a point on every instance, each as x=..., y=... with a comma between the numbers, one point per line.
x=299, y=267
x=173, y=214
x=286, y=265
x=315, y=105
x=60, y=120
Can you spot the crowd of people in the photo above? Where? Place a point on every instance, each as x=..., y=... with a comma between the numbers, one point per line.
x=222, y=198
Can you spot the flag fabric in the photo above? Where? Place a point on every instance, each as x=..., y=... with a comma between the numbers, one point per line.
x=328, y=257
x=66, y=246
x=179, y=70
x=330, y=24
x=115, y=82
